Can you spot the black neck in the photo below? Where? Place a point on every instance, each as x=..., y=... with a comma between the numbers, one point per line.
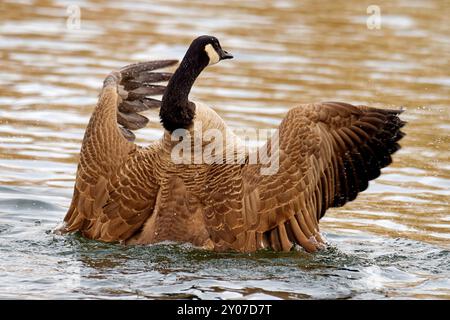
x=176, y=109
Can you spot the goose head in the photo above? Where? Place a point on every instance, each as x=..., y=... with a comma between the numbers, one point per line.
x=206, y=50
x=176, y=110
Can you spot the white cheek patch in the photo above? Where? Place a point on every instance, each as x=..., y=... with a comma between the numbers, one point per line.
x=212, y=54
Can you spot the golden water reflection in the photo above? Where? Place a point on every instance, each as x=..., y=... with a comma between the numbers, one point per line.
x=286, y=53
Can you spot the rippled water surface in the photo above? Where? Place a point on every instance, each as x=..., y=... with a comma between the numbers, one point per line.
x=392, y=242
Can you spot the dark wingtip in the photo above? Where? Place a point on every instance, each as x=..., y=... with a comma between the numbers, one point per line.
x=111, y=79
x=132, y=121
x=171, y=62
x=136, y=84
x=130, y=136
x=133, y=69
x=395, y=111
x=139, y=105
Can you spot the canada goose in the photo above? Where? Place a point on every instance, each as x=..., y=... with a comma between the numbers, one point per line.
x=328, y=152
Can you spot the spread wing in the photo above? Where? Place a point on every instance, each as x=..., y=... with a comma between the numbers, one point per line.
x=137, y=83
x=109, y=158
x=328, y=153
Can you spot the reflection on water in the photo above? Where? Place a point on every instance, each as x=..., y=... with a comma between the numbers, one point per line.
x=392, y=242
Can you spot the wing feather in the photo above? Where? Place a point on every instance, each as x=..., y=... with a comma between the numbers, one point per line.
x=328, y=154
x=105, y=198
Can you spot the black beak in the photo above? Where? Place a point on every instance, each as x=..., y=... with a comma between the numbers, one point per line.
x=225, y=55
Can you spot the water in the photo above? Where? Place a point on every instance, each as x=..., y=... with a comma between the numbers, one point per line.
x=393, y=242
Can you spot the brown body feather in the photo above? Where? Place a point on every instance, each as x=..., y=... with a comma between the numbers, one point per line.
x=328, y=152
